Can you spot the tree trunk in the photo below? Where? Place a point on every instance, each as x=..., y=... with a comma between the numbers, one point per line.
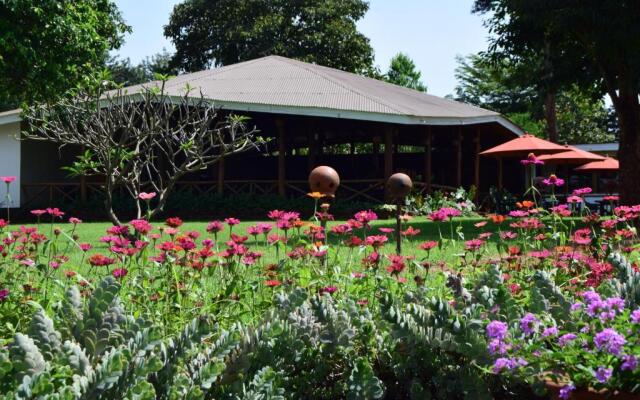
x=628, y=111
x=550, y=115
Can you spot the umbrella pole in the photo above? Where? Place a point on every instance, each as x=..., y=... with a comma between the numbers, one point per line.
x=499, y=173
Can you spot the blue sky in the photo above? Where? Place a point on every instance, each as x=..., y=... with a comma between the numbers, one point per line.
x=432, y=32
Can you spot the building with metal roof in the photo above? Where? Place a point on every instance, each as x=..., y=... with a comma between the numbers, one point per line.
x=365, y=128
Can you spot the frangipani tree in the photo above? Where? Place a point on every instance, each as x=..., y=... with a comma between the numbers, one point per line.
x=143, y=139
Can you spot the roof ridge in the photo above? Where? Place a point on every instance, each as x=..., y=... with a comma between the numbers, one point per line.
x=307, y=66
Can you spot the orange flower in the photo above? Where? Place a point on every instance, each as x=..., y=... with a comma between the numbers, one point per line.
x=525, y=204
x=497, y=219
x=315, y=195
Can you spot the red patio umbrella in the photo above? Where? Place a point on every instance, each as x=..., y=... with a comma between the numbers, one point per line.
x=571, y=155
x=607, y=165
x=521, y=147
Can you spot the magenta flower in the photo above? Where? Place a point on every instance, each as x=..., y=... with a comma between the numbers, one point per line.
x=553, y=180
x=215, y=227
x=120, y=272
x=582, y=236
x=146, y=196
x=365, y=216
x=473, y=244
x=141, y=226
x=232, y=221
x=75, y=221
x=4, y=293
x=574, y=199
x=531, y=160
x=7, y=179
x=582, y=191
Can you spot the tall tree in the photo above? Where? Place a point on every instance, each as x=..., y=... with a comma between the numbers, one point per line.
x=580, y=115
x=48, y=46
x=222, y=32
x=595, y=40
x=403, y=72
x=122, y=71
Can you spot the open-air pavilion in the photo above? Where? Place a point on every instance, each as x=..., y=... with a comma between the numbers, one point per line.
x=364, y=128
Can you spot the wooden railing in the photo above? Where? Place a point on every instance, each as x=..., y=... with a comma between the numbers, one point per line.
x=50, y=193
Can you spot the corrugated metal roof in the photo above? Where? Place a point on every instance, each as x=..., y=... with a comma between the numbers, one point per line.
x=276, y=81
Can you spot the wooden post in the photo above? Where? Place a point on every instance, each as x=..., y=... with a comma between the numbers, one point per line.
x=83, y=189
x=313, y=147
x=427, y=160
x=221, y=176
x=458, y=157
x=376, y=155
x=282, y=149
x=476, y=163
x=499, y=173
x=388, y=152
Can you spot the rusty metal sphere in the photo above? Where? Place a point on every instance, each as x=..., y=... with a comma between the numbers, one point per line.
x=399, y=185
x=324, y=179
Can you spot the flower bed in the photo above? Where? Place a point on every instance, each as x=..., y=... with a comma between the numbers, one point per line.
x=309, y=307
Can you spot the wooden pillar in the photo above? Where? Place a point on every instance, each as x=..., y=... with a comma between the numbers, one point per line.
x=83, y=184
x=427, y=160
x=221, y=175
x=83, y=189
x=282, y=149
x=476, y=163
x=312, y=142
x=499, y=173
x=376, y=155
x=458, y=157
x=388, y=152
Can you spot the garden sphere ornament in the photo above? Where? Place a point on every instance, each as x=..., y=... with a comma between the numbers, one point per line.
x=398, y=186
x=324, y=179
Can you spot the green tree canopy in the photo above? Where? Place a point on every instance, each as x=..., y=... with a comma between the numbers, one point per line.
x=403, y=72
x=593, y=41
x=223, y=32
x=122, y=71
x=48, y=46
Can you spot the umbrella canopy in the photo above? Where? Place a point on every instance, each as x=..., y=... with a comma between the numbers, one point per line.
x=608, y=164
x=571, y=155
x=523, y=145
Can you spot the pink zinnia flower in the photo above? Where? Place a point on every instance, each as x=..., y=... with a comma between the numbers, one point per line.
x=120, y=272
x=531, y=160
x=428, y=245
x=146, y=196
x=215, y=226
x=7, y=179
x=473, y=244
x=38, y=213
x=232, y=221
x=75, y=221
x=553, y=180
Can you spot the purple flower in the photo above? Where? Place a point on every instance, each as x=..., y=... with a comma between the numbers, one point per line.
x=629, y=362
x=566, y=338
x=504, y=363
x=576, y=306
x=591, y=296
x=528, y=323
x=604, y=374
x=565, y=391
x=615, y=303
x=496, y=346
x=609, y=340
x=635, y=316
x=497, y=330
x=550, y=331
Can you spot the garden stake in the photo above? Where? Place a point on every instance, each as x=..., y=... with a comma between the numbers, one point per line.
x=398, y=187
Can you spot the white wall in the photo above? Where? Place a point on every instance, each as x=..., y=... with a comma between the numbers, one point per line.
x=10, y=162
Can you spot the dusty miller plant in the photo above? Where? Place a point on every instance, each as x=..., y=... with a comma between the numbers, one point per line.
x=142, y=139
